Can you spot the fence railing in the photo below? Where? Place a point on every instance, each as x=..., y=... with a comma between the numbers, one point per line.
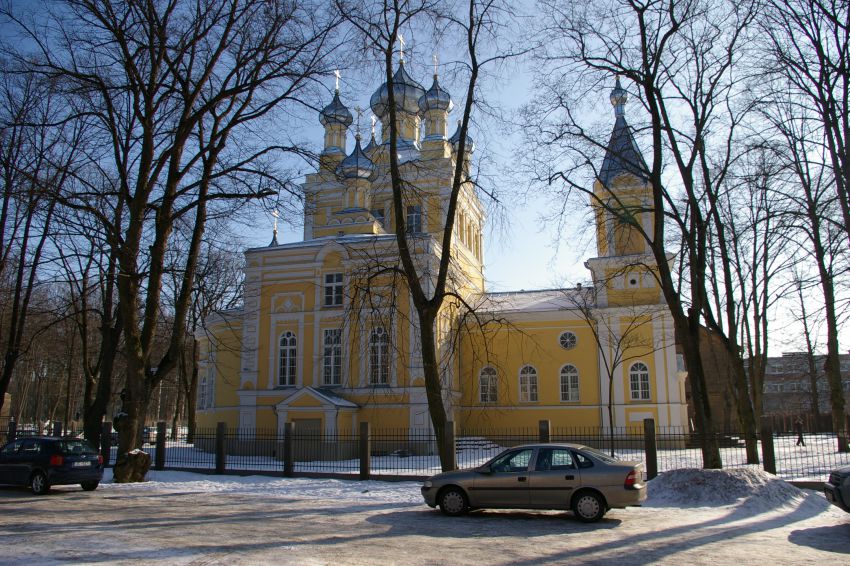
x=414, y=454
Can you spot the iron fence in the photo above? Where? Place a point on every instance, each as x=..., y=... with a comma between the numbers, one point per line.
x=414, y=453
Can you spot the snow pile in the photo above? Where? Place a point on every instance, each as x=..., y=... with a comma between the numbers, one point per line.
x=755, y=489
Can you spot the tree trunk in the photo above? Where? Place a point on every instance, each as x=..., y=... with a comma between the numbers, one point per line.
x=433, y=385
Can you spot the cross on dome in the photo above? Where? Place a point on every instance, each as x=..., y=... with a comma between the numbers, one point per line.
x=436, y=62
x=336, y=73
x=401, y=47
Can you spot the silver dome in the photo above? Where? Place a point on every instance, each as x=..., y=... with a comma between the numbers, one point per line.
x=406, y=93
x=357, y=165
x=455, y=140
x=436, y=98
x=336, y=112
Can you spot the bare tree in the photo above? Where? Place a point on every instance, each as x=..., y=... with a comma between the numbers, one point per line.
x=177, y=91
x=36, y=161
x=808, y=44
x=476, y=26
x=681, y=58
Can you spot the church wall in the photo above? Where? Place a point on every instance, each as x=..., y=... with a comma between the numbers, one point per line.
x=534, y=343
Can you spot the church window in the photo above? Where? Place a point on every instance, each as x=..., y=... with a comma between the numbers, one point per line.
x=288, y=353
x=332, y=358
x=202, y=394
x=639, y=381
x=528, y=384
x=568, y=340
x=414, y=219
x=487, y=385
x=333, y=289
x=379, y=357
x=569, y=383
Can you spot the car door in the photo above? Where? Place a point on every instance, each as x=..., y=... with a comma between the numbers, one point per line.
x=28, y=457
x=8, y=462
x=554, y=478
x=505, y=483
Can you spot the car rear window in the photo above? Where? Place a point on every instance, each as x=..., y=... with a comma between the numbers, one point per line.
x=599, y=455
x=76, y=446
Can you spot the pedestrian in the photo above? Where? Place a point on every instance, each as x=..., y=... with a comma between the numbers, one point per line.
x=798, y=428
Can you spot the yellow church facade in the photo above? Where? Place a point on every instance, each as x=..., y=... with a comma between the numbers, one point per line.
x=327, y=336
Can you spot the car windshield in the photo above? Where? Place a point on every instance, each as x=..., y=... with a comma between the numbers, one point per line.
x=599, y=455
x=76, y=446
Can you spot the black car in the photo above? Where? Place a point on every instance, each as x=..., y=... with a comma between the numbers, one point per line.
x=44, y=461
x=837, y=489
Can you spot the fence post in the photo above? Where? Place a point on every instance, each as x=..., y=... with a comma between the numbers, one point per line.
x=57, y=428
x=768, y=455
x=544, y=430
x=365, y=451
x=13, y=430
x=450, y=444
x=106, y=441
x=288, y=463
x=651, y=448
x=160, y=446
x=220, y=432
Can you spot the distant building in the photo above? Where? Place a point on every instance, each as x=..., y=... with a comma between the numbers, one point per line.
x=788, y=385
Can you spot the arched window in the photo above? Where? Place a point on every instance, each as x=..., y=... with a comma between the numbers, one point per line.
x=379, y=357
x=487, y=385
x=639, y=381
x=211, y=369
x=202, y=394
x=528, y=384
x=287, y=360
x=569, y=383
x=332, y=358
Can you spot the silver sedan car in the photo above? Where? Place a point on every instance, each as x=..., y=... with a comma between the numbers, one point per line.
x=541, y=476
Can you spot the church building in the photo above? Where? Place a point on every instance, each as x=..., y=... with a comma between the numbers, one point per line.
x=327, y=336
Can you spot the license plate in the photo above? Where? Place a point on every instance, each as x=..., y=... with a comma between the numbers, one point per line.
x=81, y=464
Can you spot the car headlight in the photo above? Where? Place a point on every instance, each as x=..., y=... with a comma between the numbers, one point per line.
x=428, y=484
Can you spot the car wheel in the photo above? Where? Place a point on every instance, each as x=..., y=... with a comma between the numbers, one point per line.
x=39, y=483
x=453, y=502
x=588, y=507
x=89, y=485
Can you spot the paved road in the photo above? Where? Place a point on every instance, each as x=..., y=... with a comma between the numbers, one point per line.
x=131, y=525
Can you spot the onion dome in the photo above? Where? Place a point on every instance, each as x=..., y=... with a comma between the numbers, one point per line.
x=357, y=165
x=336, y=112
x=436, y=98
x=406, y=93
x=372, y=143
x=455, y=140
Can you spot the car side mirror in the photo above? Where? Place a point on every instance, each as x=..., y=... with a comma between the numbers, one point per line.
x=485, y=469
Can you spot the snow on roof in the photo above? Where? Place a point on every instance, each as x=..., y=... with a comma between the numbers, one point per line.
x=535, y=300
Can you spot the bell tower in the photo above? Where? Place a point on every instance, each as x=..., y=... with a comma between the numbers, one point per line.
x=623, y=271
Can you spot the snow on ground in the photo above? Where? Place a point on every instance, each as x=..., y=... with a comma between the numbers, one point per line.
x=691, y=516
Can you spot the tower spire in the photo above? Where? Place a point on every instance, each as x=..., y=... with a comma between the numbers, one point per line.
x=619, y=97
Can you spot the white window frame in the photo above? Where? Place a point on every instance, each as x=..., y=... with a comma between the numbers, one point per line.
x=528, y=391
x=379, y=357
x=332, y=357
x=488, y=391
x=333, y=289
x=569, y=381
x=639, y=386
x=287, y=366
x=202, y=394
